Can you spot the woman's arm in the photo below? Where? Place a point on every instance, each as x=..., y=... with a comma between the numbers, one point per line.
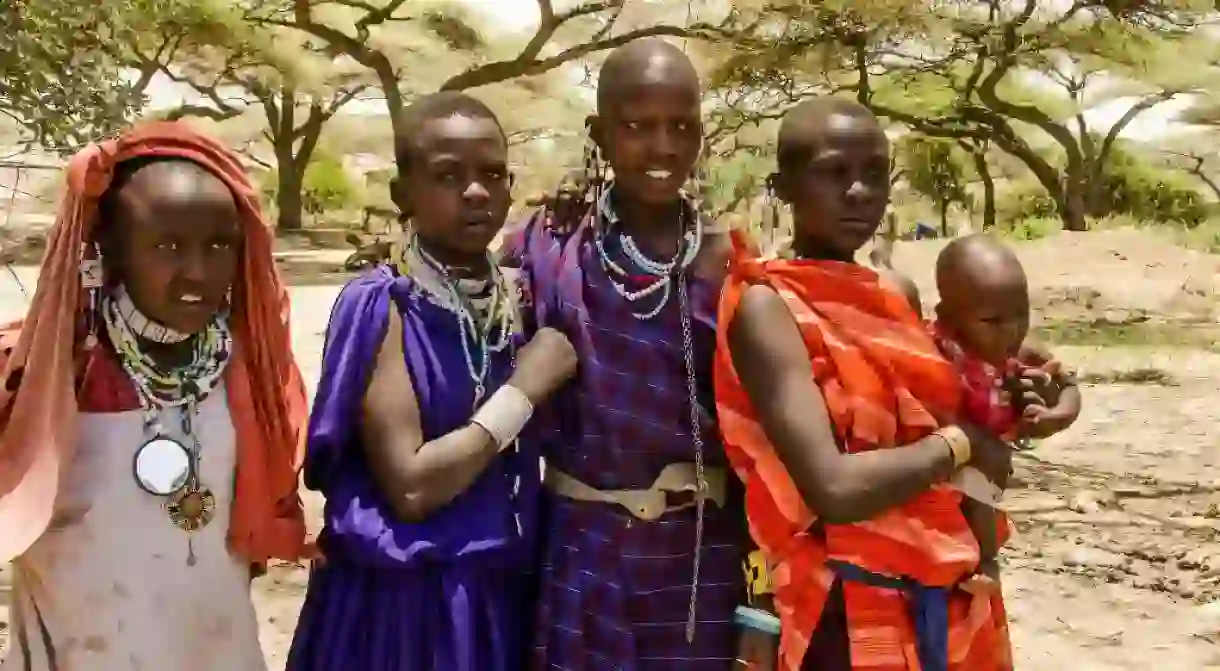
x=420, y=477
x=774, y=368
x=416, y=477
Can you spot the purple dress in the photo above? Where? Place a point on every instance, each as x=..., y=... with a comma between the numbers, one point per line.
x=615, y=590
x=451, y=592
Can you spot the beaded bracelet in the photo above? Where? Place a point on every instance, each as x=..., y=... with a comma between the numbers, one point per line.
x=755, y=619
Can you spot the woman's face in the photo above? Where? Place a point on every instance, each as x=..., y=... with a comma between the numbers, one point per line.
x=457, y=189
x=175, y=242
x=651, y=137
x=840, y=188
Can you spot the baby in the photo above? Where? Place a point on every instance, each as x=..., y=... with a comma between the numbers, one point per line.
x=981, y=322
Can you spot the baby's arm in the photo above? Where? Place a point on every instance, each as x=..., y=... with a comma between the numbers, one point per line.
x=1040, y=421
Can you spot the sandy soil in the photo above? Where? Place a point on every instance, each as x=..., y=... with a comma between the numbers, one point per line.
x=1117, y=564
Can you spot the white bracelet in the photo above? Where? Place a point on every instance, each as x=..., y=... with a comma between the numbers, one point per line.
x=504, y=415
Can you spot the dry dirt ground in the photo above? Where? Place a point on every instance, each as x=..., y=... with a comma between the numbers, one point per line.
x=1117, y=564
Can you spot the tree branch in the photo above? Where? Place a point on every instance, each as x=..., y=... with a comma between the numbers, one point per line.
x=357, y=49
x=527, y=63
x=1150, y=101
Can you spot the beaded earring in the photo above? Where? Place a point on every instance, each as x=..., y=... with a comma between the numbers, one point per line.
x=594, y=172
x=91, y=281
x=771, y=215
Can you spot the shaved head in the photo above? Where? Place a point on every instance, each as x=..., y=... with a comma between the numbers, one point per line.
x=975, y=262
x=807, y=124
x=644, y=62
x=177, y=182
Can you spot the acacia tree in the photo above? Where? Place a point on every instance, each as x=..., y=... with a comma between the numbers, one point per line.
x=57, y=80
x=934, y=168
x=959, y=70
x=1072, y=47
x=598, y=21
x=231, y=65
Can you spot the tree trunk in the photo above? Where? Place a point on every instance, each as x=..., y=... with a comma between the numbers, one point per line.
x=1072, y=207
x=288, y=199
x=984, y=173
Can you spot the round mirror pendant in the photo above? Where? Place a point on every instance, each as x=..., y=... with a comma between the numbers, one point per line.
x=162, y=466
x=191, y=508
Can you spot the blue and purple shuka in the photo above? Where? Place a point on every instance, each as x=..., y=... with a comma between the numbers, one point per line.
x=450, y=593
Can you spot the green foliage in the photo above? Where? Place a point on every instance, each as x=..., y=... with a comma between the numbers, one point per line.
x=56, y=80
x=327, y=186
x=1149, y=192
x=64, y=74
x=733, y=181
x=1031, y=228
x=1024, y=201
x=935, y=169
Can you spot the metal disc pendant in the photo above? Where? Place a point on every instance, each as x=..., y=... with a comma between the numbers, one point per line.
x=162, y=466
x=191, y=508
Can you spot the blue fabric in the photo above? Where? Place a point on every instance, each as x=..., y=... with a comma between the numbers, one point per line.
x=929, y=611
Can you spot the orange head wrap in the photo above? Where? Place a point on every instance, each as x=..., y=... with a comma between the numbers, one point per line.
x=266, y=394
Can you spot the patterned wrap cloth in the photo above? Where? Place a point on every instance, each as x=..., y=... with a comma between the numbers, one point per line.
x=615, y=590
x=885, y=385
x=983, y=399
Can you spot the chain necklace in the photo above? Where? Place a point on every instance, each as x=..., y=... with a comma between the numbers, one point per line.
x=666, y=274
x=688, y=349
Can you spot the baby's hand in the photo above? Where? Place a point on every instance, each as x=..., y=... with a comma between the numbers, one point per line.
x=1039, y=421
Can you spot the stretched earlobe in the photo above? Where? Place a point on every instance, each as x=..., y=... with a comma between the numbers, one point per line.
x=593, y=130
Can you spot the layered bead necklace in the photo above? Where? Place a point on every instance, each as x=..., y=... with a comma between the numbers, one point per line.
x=190, y=505
x=484, y=308
x=663, y=276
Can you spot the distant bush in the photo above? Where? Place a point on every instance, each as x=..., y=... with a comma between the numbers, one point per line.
x=1133, y=186
x=327, y=186
x=1024, y=200
x=1030, y=228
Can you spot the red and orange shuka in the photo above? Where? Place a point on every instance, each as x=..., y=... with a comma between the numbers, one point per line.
x=885, y=385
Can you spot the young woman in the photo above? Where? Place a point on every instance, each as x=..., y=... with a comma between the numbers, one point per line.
x=643, y=556
x=417, y=438
x=150, y=417
x=837, y=412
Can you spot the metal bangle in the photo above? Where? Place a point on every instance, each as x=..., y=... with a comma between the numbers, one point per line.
x=758, y=620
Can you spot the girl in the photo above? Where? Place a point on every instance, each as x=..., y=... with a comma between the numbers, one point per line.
x=149, y=417
x=836, y=408
x=416, y=434
x=642, y=564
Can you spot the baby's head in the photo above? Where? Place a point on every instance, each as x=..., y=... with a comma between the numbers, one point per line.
x=984, y=297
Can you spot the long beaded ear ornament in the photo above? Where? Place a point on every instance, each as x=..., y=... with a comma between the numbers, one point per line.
x=91, y=283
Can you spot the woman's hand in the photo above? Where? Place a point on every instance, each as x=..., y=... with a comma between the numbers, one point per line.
x=544, y=364
x=756, y=651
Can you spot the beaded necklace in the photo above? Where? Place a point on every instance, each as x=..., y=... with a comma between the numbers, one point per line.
x=190, y=505
x=483, y=308
x=663, y=274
